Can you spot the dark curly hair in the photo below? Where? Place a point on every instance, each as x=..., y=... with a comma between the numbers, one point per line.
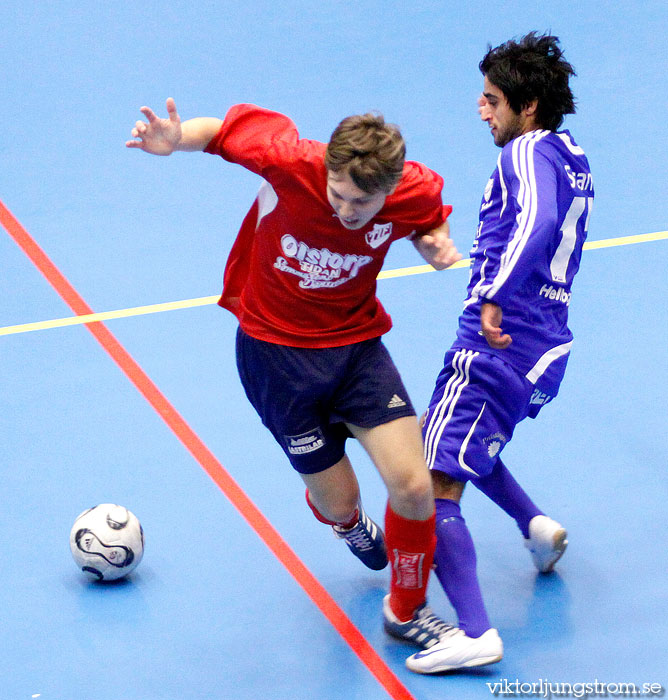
x=532, y=68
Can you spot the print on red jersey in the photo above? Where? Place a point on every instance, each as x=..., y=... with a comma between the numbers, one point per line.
x=379, y=234
x=319, y=267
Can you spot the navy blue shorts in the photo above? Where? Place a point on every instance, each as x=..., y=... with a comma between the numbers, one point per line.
x=477, y=402
x=305, y=396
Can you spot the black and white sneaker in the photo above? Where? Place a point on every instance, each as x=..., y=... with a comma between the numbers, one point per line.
x=425, y=629
x=365, y=540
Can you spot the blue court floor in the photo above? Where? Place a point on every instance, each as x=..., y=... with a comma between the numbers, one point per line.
x=213, y=612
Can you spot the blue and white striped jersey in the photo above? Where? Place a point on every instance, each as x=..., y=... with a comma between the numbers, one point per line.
x=533, y=223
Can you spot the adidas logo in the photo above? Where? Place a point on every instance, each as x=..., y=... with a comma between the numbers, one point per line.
x=396, y=402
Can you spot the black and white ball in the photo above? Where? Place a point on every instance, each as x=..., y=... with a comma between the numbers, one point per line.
x=107, y=542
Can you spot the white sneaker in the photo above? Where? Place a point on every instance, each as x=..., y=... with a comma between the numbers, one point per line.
x=547, y=542
x=457, y=650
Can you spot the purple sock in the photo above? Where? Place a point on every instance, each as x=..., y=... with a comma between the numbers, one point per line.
x=501, y=487
x=455, y=560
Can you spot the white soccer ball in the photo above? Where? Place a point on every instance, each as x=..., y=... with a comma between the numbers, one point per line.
x=107, y=542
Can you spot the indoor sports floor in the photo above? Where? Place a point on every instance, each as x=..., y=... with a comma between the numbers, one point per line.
x=241, y=594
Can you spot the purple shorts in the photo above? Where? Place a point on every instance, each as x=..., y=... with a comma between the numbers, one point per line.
x=477, y=402
x=305, y=396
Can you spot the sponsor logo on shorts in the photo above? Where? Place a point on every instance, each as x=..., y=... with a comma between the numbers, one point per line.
x=306, y=442
x=408, y=568
x=495, y=443
x=396, y=402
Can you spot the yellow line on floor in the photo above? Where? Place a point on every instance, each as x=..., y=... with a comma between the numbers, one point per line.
x=108, y=315
x=205, y=301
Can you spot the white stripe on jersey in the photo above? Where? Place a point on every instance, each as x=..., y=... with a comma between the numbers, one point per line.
x=523, y=165
x=475, y=292
x=562, y=256
x=437, y=421
x=575, y=150
x=537, y=371
x=267, y=199
x=504, y=189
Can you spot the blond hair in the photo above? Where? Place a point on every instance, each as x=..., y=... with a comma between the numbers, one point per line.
x=370, y=150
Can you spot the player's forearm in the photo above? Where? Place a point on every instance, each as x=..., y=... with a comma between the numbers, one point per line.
x=437, y=248
x=197, y=133
x=428, y=252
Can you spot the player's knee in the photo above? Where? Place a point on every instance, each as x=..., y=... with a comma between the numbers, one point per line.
x=413, y=491
x=339, y=507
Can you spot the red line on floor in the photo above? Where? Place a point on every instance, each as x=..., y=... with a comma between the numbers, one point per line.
x=246, y=508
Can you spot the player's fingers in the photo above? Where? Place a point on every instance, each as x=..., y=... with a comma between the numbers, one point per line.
x=171, y=109
x=448, y=262
x=488, y=330
x=446, y=259
x=134, y=144
x=149, y=114
x=496, y=340
x=449, y=252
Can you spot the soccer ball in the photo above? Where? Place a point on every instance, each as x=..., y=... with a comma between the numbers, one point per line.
x=107, y=542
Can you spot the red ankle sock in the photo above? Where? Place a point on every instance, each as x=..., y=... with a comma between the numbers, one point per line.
x=410, y=549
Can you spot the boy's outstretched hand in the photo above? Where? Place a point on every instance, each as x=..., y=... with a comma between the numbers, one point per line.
x=160, y=137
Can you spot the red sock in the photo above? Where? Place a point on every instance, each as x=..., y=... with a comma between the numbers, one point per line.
x=319, y=516
x=410, y=549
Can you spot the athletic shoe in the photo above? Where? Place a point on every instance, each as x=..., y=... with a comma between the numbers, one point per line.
x=547, y=542
x=365, y=540
x=457, y=650
x=425, y=629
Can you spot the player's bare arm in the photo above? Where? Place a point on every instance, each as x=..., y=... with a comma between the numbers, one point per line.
x=161, y=137
x=491, y=317
x=437, y=248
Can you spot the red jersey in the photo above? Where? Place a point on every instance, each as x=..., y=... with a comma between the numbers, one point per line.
x=295, y=276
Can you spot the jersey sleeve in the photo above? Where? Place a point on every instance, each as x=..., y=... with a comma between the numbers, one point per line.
x=418, y=200
x=531, y=181
x=248, y=135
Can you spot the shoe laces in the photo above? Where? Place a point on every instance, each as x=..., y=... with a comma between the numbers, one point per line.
x=359, y=537
x=433, y=624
